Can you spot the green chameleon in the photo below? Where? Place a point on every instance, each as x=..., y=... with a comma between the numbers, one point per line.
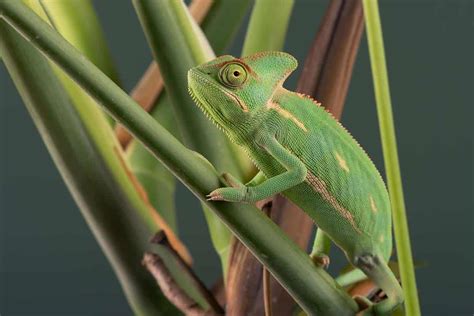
x=303, y=153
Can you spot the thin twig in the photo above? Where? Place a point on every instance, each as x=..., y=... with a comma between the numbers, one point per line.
x=168, y=285
x=149, y=87
x=267, y=292
x=170, y=289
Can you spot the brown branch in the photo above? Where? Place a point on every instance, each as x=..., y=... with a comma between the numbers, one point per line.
x=335, y=72
x=326, y=76
x=149, y=87
x=168, y=285
x=244, y=279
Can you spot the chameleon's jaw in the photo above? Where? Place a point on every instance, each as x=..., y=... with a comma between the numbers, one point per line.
x=195, y=81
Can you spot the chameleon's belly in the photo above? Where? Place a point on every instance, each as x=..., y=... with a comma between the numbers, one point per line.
x=338, y=221
x=353, y=221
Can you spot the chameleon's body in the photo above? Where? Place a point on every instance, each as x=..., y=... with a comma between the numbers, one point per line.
x=304, y=153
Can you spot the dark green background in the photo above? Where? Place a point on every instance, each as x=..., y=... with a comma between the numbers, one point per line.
x=51, y=265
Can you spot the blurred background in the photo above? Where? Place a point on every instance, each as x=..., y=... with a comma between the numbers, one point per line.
x=50, y=263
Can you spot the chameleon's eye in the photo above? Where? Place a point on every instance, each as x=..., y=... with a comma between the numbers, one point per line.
x=233, y=75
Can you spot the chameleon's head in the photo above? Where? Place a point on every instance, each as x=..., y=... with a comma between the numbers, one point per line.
x=234, y=92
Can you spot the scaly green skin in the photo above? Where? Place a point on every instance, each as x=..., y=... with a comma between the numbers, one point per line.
x=303, y=153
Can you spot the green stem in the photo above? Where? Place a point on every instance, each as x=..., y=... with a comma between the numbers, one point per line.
x=69, y=17
x=311, y=287
x=389, y=144
x=268, y=26
x=157, y=181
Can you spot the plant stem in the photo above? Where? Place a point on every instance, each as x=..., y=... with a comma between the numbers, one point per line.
x=389, y=144
x=268, y=25
x=150, y=86
x=69, y=17
x=311, y=287
x=94, y=119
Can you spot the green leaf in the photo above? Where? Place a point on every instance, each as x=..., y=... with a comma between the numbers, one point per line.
x=268, y=25
x=157, y=181
x=94, y=122
x=77, y=21
x=88, y=162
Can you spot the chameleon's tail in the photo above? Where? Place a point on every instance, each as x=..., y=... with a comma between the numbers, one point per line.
x=350, y=277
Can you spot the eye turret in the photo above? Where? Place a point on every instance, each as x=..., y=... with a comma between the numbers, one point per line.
x=233, y=75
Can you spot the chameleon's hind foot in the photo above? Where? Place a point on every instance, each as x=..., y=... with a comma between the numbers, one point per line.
x=378, y=271
x=321, y=260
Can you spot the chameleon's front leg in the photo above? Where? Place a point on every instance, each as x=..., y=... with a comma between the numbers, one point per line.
x=295, y=174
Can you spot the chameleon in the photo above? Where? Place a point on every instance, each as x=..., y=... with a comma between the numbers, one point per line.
x=305, y=154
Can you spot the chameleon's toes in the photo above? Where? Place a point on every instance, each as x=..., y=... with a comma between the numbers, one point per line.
x=321, y=260
x=214, y=196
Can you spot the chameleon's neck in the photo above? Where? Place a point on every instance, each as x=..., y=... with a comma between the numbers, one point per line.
x=264, y=118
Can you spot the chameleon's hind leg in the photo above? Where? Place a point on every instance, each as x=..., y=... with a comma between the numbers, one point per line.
x=379, y=272
x=321, y=247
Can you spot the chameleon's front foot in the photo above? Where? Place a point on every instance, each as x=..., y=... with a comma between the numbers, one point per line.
x=230, y=195
x=238, y=192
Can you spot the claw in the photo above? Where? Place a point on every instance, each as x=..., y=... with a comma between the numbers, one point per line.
x=321, y=261
x=214, y=196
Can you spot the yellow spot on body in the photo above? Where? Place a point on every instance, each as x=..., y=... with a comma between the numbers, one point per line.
x=342, y=162
x=286, y=114
x=372, y=204
x=320, y=186
x=382, y=238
